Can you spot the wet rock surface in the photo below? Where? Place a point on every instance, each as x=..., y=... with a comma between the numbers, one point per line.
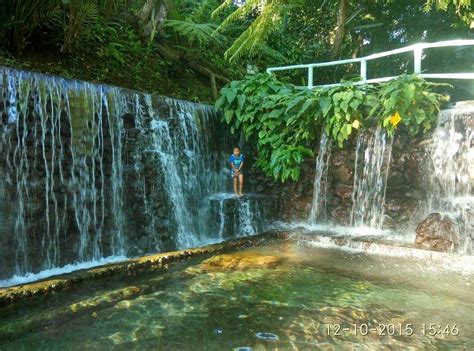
x=146, y=218
x=239, y=261
x=161, y=261
x=109, y=298
x=238, y=216
x=407, y=189
x=437, y=232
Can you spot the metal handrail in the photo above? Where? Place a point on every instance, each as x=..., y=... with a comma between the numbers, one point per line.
x=417, y=54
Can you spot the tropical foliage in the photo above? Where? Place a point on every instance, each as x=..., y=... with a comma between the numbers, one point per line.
x=191, y=48
x=348, y=18
x=284, y=121
x=166, y=47
x=463, y=8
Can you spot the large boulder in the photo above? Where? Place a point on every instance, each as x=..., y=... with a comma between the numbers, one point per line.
x=438, y=233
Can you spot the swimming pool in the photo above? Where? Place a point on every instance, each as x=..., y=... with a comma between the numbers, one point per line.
x=284, y=295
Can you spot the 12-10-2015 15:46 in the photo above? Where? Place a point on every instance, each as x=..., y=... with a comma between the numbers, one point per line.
x=408, y=329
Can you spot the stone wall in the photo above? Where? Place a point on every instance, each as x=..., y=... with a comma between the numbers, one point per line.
x=412, y=192
x=406, y=185
x=82, y=176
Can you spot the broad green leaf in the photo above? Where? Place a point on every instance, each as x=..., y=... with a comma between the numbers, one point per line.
x=230, y=95
x=294, y=102
x=228, y=115
x=220, y=102
x=325, y=104
x=344, y=106
x=346, y=130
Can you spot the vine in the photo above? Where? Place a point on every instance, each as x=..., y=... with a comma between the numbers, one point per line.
x=284, y=121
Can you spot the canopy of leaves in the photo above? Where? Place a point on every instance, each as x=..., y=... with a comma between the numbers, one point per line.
x=463, y=8
x=161, y=46
x=269, y=20
x=284, y=121
x=190, y=48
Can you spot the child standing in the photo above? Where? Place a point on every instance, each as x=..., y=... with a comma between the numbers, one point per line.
x=236, y=166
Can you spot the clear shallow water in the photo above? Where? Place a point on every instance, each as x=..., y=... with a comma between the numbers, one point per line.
x=189, y=309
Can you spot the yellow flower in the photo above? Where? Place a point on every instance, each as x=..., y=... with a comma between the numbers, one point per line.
x=356, y=124
x=395, y=119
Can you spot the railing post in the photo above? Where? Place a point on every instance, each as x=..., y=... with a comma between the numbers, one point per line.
x=363, y=70
x=417, y=52
x=310, y=77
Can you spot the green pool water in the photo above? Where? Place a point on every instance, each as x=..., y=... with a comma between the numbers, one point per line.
x=315, y=299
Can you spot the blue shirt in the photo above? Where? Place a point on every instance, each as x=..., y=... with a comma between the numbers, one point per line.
x=236, y=161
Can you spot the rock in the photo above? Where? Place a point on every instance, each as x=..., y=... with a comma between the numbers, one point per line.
x=341, y=214
x=342, y=173
x=106, y=299
x=239, y=261
x=414, y=165
x=344, y=191
x=396, y=179
x=339, y=158
x=393, y=206
x=437, y=233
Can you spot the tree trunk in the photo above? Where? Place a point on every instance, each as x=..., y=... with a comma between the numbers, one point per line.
x=357, y=46
x=340, y=28
x=145, y=12
x=151, y=18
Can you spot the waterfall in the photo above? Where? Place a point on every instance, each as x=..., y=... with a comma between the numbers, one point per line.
x=192, y=172
x=318, y=207
x=249, y=218
x=92, y=173
x=189, y=176
x=236, y=216
x=53, y=142
x=451, y=170
x=373, y=153
x=174, y=185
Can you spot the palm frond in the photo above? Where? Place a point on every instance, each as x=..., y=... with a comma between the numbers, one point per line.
x=444, y=4
x=268, y=19
x=202, y=33
x=203, y=12
x=221, y=8
x=270, y=54
x=88, y=13
x=248, y=42
x=241, y=12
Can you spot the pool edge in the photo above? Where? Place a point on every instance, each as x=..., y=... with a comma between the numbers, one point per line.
x=158, y=261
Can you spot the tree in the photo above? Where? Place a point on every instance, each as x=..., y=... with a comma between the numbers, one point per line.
x=345, y=19
x=463, y=8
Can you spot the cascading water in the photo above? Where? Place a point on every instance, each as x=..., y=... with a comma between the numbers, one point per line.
x=318, y=207
x=191, y=171
x=373, y=154
x=91, y=171
x=53, y=141
x=236, y=216
x=451, y=172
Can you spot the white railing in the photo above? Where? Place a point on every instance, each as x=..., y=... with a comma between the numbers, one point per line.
x=417, y=55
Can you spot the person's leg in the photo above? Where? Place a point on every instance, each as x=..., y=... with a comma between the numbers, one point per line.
x=241, y=183
x=236, y=190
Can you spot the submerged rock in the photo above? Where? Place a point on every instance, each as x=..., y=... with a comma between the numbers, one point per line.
x=106, y=299
x=240, y=261
x=437, y=232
